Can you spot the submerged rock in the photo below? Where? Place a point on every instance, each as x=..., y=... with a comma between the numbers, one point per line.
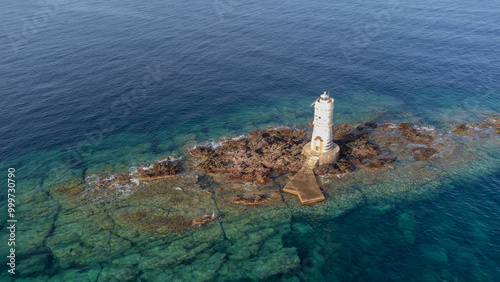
x=122, y=178
x=494, y=122
x=412, y=135
x=162, y=169
x=254, y=200
x=204, y=219
x=462, y=129
x=380, y=163
x=424, y=153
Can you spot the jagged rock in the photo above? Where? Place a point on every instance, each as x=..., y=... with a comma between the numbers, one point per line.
x=253, y=157
x=340, y=167
x=371, y=124
x=159, y=170
x=424, y=153
x=412, y=135
x=200, y=151
x=343, y=131
x=362, y=149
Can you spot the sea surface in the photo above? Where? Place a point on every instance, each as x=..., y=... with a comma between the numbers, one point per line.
x=88, y=84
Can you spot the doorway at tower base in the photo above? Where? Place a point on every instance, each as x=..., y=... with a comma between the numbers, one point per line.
x=329, y=157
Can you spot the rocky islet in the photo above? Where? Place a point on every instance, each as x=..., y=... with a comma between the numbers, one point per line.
x=196, y=214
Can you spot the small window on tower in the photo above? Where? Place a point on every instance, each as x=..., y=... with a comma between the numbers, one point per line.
x=319, y=118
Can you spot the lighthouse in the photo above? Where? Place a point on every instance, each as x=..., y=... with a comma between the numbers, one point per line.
x=320, y=150
x=322, y=145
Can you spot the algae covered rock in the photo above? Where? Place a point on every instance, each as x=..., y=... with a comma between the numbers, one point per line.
x=424, y=153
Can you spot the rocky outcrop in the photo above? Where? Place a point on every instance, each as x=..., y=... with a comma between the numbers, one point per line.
x=159, y=170
x=424, y=153
x=253, y=157
x=412, y=135
x=362, y=149
x=201, y=151
x=371, y=124
x=344, y=131
x=340, y=167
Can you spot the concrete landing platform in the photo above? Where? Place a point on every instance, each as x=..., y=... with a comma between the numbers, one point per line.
x=305, y=185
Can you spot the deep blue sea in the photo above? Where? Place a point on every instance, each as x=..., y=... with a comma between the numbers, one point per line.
x=93, y=83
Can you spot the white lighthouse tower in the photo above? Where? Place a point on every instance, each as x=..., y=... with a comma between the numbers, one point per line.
x=322, y=145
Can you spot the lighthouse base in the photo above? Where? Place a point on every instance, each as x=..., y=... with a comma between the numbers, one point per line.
x=325, y=157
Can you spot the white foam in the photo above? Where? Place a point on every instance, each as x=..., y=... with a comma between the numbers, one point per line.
x=238, y=137
x=172, y=158
x=147, y=167
x=341, y=175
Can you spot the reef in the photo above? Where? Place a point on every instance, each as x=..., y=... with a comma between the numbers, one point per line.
x=159, y=170
x=424, y=153
x=412, y=135
x=221, y=213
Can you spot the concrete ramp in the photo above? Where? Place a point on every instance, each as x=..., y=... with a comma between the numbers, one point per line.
x=304, y=184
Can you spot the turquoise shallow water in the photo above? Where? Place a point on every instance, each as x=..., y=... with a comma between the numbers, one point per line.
x=92, y=86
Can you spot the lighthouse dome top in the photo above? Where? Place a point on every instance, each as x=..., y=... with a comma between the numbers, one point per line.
x=324, y=98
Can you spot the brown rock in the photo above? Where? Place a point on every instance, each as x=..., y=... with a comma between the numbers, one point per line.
x=424, y=153
x=252, y=158
x=362, y=149
x=340, y=167
x=385, y=126
x=462, y=129
x=371, y=124
x=343, y=131
x=380, y=163
x=159, y=170
x=201, y=151
x=412, y=135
